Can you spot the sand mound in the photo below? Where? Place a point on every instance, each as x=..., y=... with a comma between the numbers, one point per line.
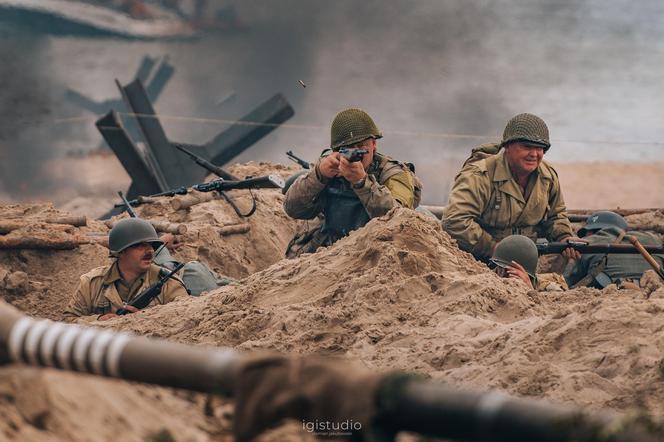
x=396, y=294
x=40, y=281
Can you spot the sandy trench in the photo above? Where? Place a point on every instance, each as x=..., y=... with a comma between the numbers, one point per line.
x=396, y=294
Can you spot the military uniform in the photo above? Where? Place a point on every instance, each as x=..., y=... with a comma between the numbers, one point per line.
x=346, y=206
x=600, y=270
x=102, y=290
x=486, y=203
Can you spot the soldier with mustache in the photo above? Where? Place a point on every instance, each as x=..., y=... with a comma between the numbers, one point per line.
x=104, y=290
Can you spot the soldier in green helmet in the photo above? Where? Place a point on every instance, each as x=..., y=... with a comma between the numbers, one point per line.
x=507, y=188
x=348, y=193
x=104, y=290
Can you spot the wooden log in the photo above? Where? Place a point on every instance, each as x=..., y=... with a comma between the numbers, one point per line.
x=168, y=227
x=147, y=199
x=233, y=229
x=76, y=221
x=619, y=211
x=43, y=243
x=191, y=199
x=10, y=226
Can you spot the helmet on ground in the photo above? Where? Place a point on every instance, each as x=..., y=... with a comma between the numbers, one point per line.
x=352, y=126
x=131, y=231
x=528, y=129
x=602, y=220
x=291, y=179
x=517, y=248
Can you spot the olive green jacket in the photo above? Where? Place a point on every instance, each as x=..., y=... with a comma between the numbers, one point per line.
x=389, y=184
x=97, y=294
x=486, y=204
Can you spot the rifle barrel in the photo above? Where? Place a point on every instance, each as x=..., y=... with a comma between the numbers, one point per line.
x=558, y=247
x=221, y=173
x=127, y=206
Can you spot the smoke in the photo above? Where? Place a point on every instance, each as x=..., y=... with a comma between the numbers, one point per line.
x=427, y=71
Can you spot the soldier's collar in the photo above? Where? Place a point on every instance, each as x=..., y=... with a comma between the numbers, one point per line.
x=113, y=274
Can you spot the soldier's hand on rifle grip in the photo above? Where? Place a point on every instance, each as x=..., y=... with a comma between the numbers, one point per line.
x=571, y=253
x=353, y=172
x=108, y=316
x=329, y=165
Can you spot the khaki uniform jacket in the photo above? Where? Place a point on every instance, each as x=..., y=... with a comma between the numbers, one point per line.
x=97, y=294
x=486, y=204
x=388, y=184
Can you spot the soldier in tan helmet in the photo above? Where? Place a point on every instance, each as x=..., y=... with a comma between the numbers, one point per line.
x=348, y=193
x=507, y=189
x=104, y=290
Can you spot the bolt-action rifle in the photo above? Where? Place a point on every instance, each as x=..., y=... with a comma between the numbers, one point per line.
x=127, y=206
x=353, y=155
x=171, y=192
x=261, y=182
x=552, y=248
x=221, y=173
x=146, y=296
x=298, y=160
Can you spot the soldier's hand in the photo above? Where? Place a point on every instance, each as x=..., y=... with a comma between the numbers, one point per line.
x=569, y=252
x=107, y=316
x=353, y=172
x=517, y=271
x=130, y=308
x=329, y=165
x=271, y=388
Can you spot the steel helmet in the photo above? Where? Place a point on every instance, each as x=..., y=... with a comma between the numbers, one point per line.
x=517, y=248
x=602, y=220
x=352, y=126
x=527, y=129
x=131, y=231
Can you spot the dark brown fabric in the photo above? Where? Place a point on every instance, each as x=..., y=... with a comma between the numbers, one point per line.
x=312, y=390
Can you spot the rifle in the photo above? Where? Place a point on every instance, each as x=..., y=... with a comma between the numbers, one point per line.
x=147, y=295
x=298, y=160
x=127, y=206
x=171, y=192
x=646, y=255
x=552, y=248
x=417, y=405
x=261, y=182
x=221, y=173
x=353, y=155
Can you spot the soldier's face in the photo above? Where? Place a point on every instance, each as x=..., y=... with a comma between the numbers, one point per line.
x=138, y=257
x=369, y=145
x=523, y=159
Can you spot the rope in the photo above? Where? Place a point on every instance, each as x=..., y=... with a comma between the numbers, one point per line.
x=447, y=135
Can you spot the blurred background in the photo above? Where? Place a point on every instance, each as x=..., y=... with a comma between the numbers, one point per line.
x=439, y=77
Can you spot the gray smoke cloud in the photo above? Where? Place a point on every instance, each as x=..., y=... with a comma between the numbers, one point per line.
x=425, y=70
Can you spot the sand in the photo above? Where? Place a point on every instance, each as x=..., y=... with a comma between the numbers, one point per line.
x=395, y=294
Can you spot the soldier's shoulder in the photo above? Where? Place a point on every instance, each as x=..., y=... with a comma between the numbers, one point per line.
x=97, y=272
x=548, y=171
